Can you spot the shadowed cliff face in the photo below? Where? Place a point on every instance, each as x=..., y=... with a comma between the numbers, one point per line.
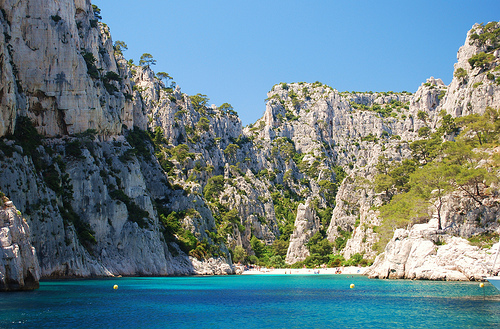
x=120, y=173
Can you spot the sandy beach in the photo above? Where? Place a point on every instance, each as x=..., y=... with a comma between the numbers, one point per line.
x=303, y=271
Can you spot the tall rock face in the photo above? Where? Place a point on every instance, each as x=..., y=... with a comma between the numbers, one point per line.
x=306, y=225
x=120, y=173
x=475, y=86
x=59, y=69
x=98, y=203
x=19, y=269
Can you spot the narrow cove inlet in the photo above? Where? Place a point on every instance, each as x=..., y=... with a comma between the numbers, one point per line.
x=247, y=301
x=128, y=202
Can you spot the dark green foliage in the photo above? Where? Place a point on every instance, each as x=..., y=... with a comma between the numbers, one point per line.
x=231, y=216
x=280, y=247
x=231, y=150
x=199, y=102
x=52, y=179
x=436, y=169
x=424, y=132
x=460, y=73
x=448, y=124
x=357, y=260
x=7, y=150
x=257, y=246
x=490, y=36
x=56, y=18
x=139, y=140
x=214, y=187
x=26, y=135
x=276, y=261
x=106, y=80
x=128, y=155
x=203, y=124
x=92, y=70
x=426, y=150
x=325, y=216
x=74, y=149
x=329, y=190
x=485, y=240
x=341, y=240
x=147, y=60
x=97, y=12
x=421, y=115
x=84, y=231
x=181, y=153
x=320, y=249
x=370, y=138
x=481, y=60
x=120, y=46
x=285, y=210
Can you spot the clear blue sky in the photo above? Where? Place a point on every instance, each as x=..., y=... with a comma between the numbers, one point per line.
x=235, y=51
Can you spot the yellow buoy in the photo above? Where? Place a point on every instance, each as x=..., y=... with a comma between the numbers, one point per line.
x=115, y=286
x=481, y=285
x=352, y=285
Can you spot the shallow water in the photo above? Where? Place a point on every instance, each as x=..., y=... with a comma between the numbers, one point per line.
x=274, y=301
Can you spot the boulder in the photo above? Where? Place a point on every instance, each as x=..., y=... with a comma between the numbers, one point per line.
x=19, y=269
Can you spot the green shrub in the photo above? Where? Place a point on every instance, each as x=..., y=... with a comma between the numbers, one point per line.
x=74, y=149
x=199, y=102
x=56, y=18
x=90, y=60
x=181, y=153
x=27, y=135
x=139, y=140
x=460, y=73
x=214, y=187
x=7, y=150
x=485, y=240
x=477, y=84
x=341, y=241
x=203, y=124
x=481, y=59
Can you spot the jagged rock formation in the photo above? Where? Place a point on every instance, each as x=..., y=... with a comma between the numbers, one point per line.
x=52, y=53
x=93, y=205
x=306, y=225
x=414, y=254
x=130, y=176
x=19, y=269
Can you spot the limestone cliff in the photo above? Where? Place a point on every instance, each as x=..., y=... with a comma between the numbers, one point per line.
x=95, y=206
x=19, y=269
x=120, y=173
x=59, y=69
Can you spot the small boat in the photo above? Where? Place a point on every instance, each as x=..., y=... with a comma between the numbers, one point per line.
x=494, y=280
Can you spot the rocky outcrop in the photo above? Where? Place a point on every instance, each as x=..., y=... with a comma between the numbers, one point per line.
x=19, y=269
x=60, y=70
x=424, y=252
x=474, y=88
x=420, y=253
x=306, y=225
x=127, y=175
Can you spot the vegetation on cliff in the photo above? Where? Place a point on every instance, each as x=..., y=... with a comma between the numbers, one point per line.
x=415, y=187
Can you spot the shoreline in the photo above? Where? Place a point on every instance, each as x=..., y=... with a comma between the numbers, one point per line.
x=304, y=271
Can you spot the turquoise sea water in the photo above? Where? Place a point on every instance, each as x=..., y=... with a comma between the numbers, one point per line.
x=281, y=301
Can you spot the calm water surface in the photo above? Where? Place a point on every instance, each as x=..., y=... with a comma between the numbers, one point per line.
x=281, y=301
